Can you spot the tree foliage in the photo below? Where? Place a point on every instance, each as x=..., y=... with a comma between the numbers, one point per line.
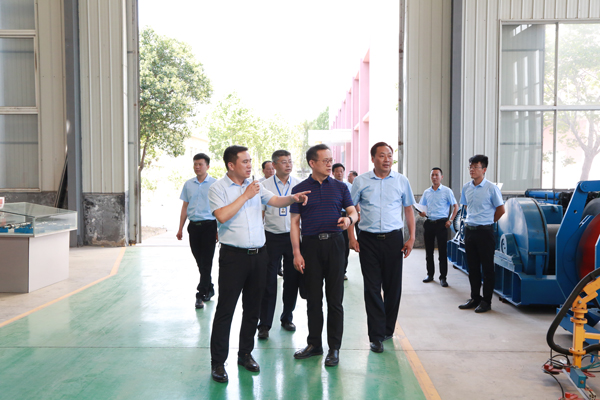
x=319, y=123
x=578, y=84
x=231, y=122
x=172, y=85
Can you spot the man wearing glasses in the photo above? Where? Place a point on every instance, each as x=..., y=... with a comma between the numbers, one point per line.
x=484, y=205
x=279, y=246
x=321, y=253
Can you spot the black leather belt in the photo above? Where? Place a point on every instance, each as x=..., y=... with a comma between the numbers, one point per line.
x=322, y=236
x=479, y=227
x=199, y=223
x=252, y=251
x=437, y=221
x=381, y=236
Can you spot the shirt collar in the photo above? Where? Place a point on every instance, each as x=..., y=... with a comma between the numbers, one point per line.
x=204, y=181
x=439, y=188
x=313, y=181
x=373, y=176
x=482, y=183
x=230, y=182
x=289, y=181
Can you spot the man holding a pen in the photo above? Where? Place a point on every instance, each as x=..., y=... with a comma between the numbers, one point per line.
x=382, y=195
x=438, y=199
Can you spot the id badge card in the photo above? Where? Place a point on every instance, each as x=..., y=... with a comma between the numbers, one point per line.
x=283, y=212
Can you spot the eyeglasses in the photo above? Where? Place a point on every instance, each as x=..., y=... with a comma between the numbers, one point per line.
x=473, y=168
x=285, y=162
x=327, y=161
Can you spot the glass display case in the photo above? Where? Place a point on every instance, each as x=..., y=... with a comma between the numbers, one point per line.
x=27, y=219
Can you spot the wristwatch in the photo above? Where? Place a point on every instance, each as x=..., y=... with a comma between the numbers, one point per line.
x=351, y=220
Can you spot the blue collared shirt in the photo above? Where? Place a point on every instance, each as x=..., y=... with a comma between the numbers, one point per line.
x=196, y=195
x=438, y=202
x=381, y=201
x=275, y=222
x=245, y=229
x=324, y=207
x=481, y=201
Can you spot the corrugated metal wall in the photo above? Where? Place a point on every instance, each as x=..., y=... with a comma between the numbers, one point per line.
x=52, y=93
x=481, y=28
x=428, y=61
x=103, y=95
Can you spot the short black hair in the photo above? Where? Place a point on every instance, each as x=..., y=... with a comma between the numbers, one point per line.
x=264, y=164
x=479, y=158
x=311, y=154
x=437, y=169
x=280, y=153
x=337, y=165
x=202, y=156
x=231, y=154
x=353, y=173
x=377, y=145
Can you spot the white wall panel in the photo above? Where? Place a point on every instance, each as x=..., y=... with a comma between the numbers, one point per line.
x=103, y=95
x=481, y=24
x=428, y=57
x=52, y=93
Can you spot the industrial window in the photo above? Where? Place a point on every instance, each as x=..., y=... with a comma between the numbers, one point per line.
x=549, y=123
x=19, y=130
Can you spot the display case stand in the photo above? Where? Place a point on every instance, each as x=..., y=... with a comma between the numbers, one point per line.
x=30, y=263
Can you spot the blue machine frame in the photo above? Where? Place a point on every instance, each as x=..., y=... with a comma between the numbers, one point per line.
x=523, y=259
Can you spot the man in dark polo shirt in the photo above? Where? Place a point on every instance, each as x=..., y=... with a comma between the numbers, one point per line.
x=321, y=254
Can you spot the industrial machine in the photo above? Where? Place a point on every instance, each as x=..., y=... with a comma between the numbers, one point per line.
x=545, y=244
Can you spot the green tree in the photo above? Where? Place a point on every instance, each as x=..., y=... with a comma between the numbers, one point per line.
x=231, y=122
x=320, y=123
x=172, y=85
x=578, y=84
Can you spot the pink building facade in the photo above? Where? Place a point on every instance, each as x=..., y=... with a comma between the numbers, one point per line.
x=353, y=115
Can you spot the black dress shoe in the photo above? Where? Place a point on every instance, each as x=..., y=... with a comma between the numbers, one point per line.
x=210, y=294
x=263, y=332
x=308, y=351
x=248, y=362
x=443, y=282
x=199, y=303
x=219, y=374
x=333, y=358
x=377, y=346
x=484, y=306
x=288, y=326
x=428, y=279
x=469, y=304
x=387, y=337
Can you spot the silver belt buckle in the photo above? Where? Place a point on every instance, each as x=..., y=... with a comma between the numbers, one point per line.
x=252, y=251
x=381, y=237
x=323, y=236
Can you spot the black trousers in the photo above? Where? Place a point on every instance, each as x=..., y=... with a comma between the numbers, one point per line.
x=203, y=237
x=238, y=273
x=347, y=244
x=436, y=230
x=480, y=246
x=279, y=247
x=381, y=265
x=324, y=259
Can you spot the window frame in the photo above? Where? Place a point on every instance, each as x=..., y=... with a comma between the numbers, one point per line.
x=15, y=110
x=555, y=108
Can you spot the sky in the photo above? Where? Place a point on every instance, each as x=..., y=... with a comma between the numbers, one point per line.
x=281, y=57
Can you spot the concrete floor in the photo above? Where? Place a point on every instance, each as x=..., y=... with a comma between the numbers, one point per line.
x=497, y=355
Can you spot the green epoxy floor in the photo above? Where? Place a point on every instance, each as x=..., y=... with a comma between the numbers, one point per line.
x=137, y=336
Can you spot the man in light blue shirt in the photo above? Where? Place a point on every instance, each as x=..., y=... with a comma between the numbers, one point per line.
x=382, y=195
x=438, y=199
x=484, y=205
x=202, y=228
x=235, y=201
